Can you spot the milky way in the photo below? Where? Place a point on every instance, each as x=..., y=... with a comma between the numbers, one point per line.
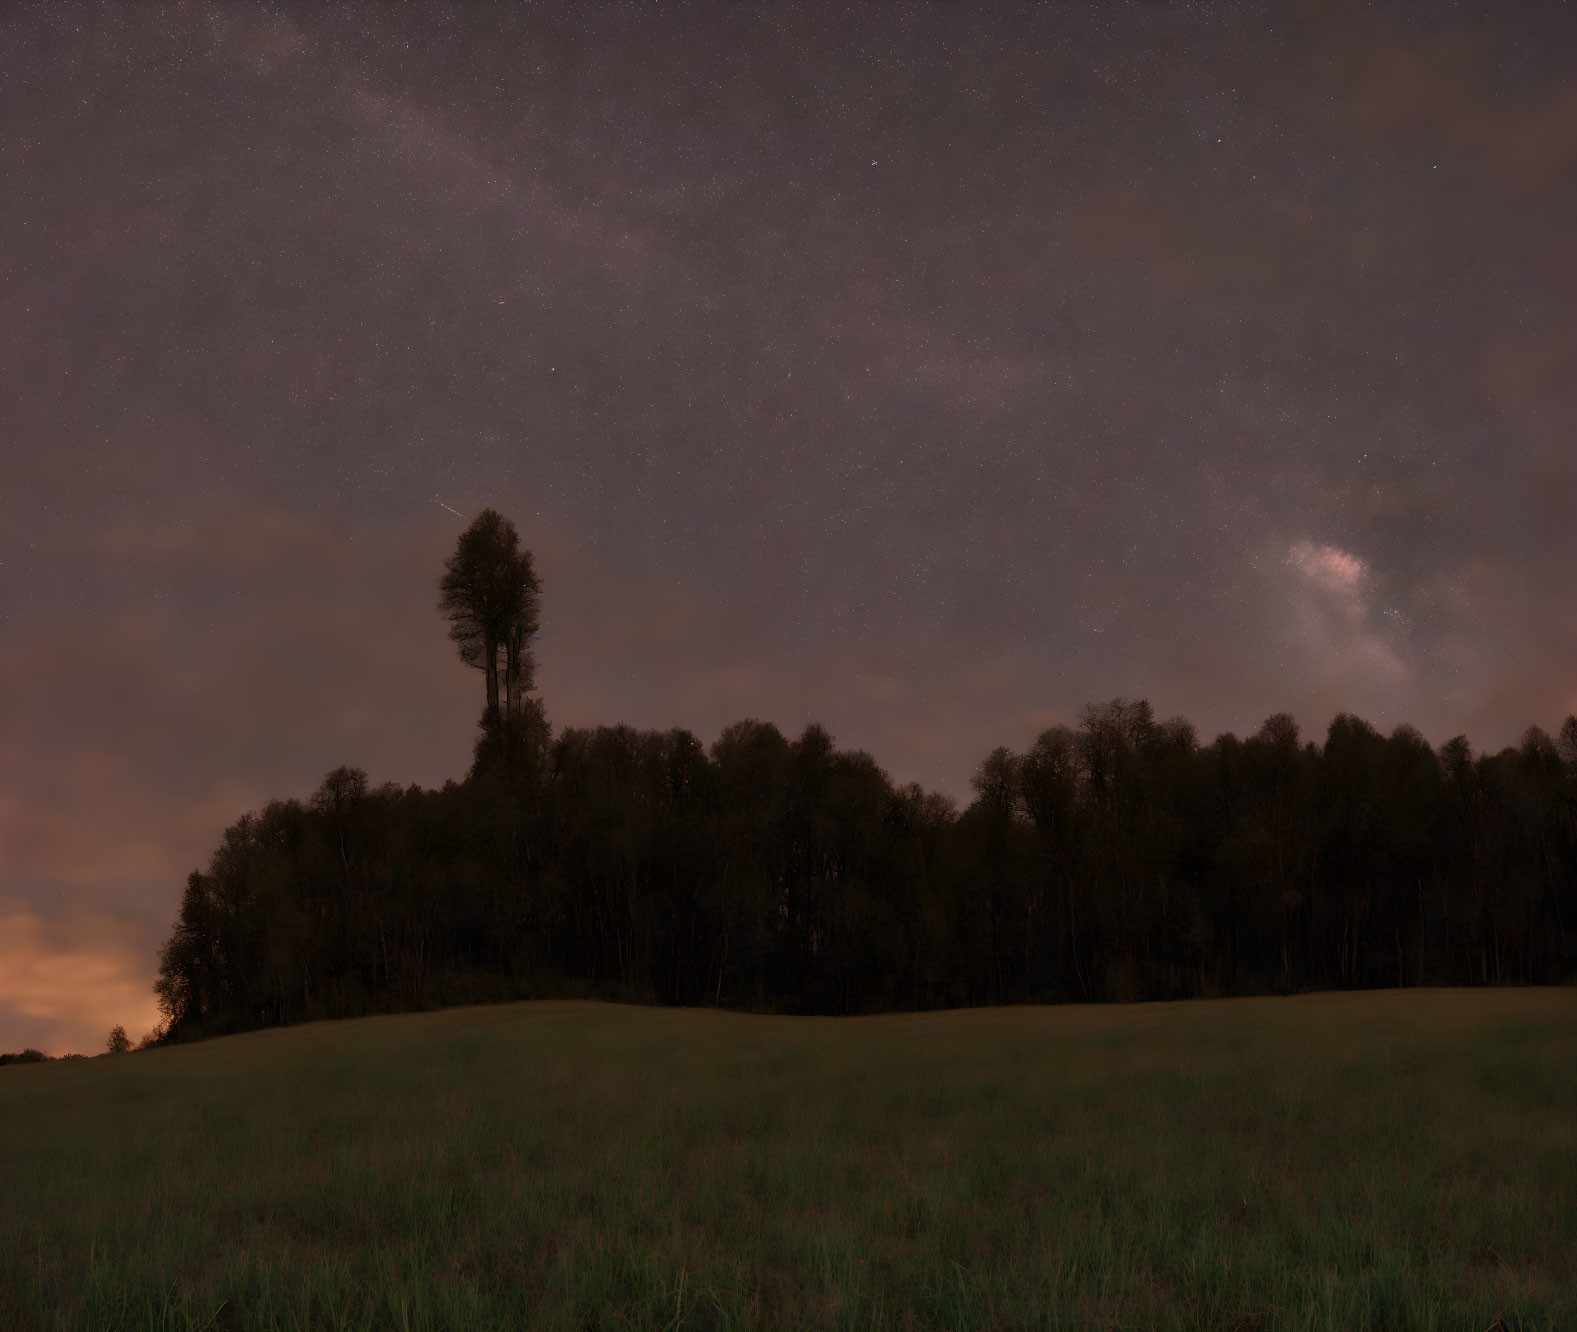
x=928, y=371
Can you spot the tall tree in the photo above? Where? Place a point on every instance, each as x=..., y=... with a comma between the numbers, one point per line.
x=520, y=667
x=489, y=592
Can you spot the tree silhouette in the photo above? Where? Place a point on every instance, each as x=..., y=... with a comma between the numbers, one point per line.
x=1048, y=776
x=520, y=667
x=119, y=1042
x=1115, y=860
x=489, y=592
x=1118, y=860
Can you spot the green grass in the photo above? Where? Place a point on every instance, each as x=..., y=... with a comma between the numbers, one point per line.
x=1397, y=1160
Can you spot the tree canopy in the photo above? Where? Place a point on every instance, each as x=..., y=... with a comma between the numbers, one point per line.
x=490, y=594
x=1117, y=859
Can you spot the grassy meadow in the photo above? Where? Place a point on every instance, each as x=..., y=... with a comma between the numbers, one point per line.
x=1396, y=1159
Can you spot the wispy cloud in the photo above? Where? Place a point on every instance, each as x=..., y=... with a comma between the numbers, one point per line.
x=75, y=977
x=1336, y=618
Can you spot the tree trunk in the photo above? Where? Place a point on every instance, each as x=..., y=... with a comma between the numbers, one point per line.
x=718, y=997
x=1073, y=940
x=491, y=652
x=1418, y=976
x=1029, y=934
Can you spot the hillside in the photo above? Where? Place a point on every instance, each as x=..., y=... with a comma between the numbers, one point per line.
x=1405, y=1159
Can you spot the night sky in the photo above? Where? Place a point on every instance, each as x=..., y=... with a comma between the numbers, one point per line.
x=928, y=371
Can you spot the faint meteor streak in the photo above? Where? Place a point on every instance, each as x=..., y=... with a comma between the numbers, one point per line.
x=442, y=505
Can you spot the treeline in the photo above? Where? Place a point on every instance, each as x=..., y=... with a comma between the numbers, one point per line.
x=1118, y=860
x=119, y=1043
x=32, y=1056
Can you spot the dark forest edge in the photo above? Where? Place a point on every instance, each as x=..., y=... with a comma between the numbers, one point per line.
x=1117, y=860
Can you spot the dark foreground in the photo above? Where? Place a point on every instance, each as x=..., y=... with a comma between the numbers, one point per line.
x=1398, y=1160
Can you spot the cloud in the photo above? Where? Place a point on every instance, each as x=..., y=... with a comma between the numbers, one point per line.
x=94, y=821
x=249, y=540
x=65, y=982
x=1541, y=676
x=932, y=453
x=1335, y=617
x=129, y=740
x=1444, y=89
x=1331, y=569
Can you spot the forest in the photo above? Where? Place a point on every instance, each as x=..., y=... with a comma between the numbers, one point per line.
x=1120, y=859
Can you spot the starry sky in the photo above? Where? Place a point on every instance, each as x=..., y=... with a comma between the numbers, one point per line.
x=926, y=370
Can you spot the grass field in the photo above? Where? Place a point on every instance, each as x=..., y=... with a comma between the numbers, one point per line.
x=1397, y=1160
